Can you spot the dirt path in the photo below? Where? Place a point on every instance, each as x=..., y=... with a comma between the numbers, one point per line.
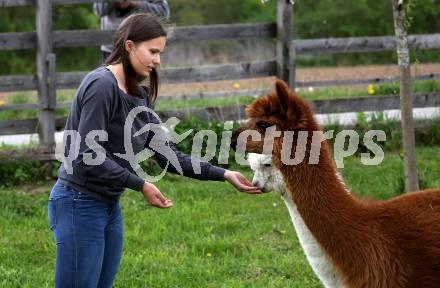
x=303, y=74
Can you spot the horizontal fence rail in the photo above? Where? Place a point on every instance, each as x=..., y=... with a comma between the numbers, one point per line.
x=328, y=83
x=362, y=44
x=66, y=80
x=223, y=31
x=17, y=40
x=375, y=103
x=16, y=3
x=85, y=38
x=236, y=112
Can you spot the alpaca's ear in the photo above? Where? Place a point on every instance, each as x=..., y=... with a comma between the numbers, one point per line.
x=301, y=118
x=283, y=95
x=294, y=109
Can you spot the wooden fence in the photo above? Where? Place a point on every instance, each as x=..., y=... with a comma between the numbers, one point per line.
x=47, y=81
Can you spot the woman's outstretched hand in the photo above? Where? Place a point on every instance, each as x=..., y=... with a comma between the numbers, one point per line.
x=240, y=182
x=155, y=197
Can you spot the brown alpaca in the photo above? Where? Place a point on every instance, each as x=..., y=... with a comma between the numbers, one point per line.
x=390, y=244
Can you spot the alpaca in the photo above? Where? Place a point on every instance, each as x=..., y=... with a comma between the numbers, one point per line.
x=393, y=243
x=269, y=178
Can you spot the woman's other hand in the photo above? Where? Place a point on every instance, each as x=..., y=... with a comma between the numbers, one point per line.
x=240, y=182
x=155, y=197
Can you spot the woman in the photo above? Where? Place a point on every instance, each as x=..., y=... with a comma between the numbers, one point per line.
x=84, y=213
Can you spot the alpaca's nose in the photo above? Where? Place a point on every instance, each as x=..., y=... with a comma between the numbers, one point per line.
x=262, y=187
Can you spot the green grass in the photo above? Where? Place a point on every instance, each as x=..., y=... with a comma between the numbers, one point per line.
x=250, y=238
x=200, y=103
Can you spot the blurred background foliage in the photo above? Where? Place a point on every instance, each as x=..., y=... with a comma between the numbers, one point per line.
x=313, y=19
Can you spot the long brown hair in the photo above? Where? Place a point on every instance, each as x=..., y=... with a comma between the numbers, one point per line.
x=137, y=27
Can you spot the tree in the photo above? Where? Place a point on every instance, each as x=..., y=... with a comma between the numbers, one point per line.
x=406, y=105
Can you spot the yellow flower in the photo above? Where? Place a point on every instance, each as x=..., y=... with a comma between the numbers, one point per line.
x=2, y=103
x=370, y=89
x=208, y=254
x=236, y=85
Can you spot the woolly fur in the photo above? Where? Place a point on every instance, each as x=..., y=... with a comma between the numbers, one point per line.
x=381, y=244
x=269, y=178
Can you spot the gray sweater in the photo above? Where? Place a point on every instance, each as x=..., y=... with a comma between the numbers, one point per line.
x=101, y=106
x=112, y=17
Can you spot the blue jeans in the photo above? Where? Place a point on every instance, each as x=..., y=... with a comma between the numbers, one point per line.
x=88, y=235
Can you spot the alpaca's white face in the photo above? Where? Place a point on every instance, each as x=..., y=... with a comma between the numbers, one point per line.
x=266, y=177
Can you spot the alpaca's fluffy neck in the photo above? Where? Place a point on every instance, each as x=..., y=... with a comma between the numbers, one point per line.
x=317, y=258
x=330, y=212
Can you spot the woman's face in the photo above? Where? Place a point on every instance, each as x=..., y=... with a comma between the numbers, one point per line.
x=144, y=56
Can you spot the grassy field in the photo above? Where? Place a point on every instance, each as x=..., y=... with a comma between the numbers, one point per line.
x=212, y=237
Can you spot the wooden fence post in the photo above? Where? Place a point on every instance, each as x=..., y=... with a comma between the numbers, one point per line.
x=284, y=37
x=45, y=67
x=406, y=101
x=292, y=66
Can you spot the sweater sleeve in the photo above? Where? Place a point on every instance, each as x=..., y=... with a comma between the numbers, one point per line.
x=157, y=7
x=207, y=170
x=96, y=103
x=103, y=7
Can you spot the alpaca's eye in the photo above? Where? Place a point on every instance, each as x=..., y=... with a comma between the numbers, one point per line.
x=263, y=125
x=268, y=165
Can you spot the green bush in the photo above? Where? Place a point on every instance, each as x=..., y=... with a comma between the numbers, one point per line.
x=198, y=125
x=24, y=172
